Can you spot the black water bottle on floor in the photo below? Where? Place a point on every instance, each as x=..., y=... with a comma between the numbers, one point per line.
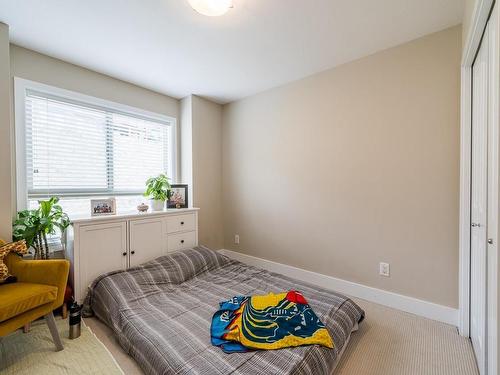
x=75, y=320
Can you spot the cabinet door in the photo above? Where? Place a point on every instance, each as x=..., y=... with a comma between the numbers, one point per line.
x=103, y=248
x=147, y=240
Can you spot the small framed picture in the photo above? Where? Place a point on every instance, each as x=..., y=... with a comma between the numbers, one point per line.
x=179, y=198
x=100, y=207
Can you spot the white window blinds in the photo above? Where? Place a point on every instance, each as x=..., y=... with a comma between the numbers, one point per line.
x=76, y=149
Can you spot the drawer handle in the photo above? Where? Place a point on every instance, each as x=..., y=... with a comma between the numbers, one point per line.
x=132, y=252
x=124, y=254
x=182, y=241
x=182, y=223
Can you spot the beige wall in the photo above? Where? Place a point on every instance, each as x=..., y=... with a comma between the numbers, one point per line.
x=202, y=164
x=6, y=137
x=186, y=144
x=353, y=166
x=207, y=172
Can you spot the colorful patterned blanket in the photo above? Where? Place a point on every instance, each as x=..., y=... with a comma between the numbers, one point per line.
x=271, y=321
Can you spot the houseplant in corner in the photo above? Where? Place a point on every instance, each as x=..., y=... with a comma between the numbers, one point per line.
x=34, y=225
x=159, y=191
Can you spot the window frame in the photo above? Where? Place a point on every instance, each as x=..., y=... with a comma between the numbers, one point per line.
x=21, y=89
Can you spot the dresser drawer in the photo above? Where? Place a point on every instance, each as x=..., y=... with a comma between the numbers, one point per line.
x=181, y=241
x=181, y=223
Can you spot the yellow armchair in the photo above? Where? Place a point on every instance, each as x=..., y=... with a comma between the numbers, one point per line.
x=39, y=290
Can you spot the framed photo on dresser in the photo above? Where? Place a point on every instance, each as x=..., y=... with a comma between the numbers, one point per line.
x=101, y=207
x=179, y=198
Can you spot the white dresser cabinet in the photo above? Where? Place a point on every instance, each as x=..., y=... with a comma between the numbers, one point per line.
x=148, y=239
x=97, y=245
x=106, y=248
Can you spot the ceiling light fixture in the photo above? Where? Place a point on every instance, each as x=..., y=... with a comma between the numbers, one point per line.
x=211, y=8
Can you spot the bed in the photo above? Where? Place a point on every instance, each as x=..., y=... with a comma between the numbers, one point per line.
x=161, y=312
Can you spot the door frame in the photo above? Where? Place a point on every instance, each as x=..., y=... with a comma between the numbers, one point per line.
x=480, y=17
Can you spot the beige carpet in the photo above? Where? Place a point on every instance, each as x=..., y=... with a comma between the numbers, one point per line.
x=389, y=342
x=34, y=353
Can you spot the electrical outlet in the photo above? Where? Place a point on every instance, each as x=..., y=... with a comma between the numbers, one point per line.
x=237, y=239
x=384, y=269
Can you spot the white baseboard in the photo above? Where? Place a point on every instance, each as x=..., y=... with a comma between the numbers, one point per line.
x=412, y=305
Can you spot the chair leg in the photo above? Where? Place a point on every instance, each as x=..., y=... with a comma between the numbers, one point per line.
x=49, y=318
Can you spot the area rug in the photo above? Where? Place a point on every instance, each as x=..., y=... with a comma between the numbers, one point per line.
x=34, y=353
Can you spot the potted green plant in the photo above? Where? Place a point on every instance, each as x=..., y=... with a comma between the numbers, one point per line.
x=158, y=190
x=34, y=225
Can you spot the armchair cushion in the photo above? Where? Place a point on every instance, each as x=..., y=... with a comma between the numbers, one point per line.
x=18, y=298
x=52, y=272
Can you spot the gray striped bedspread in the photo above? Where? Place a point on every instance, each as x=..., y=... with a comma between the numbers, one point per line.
x=161, y=313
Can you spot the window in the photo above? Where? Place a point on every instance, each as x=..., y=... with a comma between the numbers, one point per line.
x=76, y=147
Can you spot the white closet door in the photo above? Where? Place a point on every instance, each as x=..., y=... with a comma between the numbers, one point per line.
x=479, y=203
x=493, y=191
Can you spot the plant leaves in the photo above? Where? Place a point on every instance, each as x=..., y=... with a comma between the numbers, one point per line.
x=158, y=188
x=31, y=225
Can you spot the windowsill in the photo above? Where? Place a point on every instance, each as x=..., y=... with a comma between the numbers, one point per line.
x=129, y=215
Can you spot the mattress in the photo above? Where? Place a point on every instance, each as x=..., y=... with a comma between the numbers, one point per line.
x=161, y=313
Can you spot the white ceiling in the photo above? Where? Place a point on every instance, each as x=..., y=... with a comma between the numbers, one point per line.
x=166, y=46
